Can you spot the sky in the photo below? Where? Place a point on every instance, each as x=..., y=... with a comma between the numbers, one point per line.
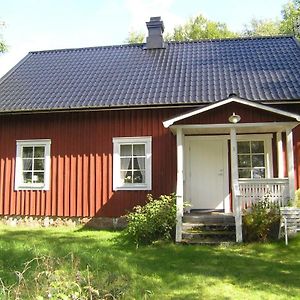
x=32, y=25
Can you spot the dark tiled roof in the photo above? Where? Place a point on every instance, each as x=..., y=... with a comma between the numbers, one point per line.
x=183, y=73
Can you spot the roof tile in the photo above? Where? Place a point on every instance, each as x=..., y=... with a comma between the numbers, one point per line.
x=185, y=72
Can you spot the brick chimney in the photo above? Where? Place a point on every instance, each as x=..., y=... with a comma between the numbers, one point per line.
x=155, y=30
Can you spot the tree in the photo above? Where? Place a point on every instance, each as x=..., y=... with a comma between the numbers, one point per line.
x=135, y=37
x=194, y=29
x=262, y=28
x=3, y=46
x=291, y=18
x=200, y=28
x=289, y=24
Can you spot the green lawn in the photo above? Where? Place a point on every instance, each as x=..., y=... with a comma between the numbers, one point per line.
x=161, y=271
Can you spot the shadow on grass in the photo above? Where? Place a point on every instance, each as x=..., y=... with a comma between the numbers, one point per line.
x=272, y=268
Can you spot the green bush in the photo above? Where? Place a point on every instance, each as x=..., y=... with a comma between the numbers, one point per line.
x=154, y=221
x=261, y=222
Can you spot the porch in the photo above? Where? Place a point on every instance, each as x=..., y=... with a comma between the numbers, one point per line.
x=231, y=165
x=210, y=182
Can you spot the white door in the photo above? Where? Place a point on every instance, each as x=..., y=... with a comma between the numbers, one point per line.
x=208, y=174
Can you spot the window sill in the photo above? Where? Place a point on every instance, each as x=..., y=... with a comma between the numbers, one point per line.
x=31, y=188
x=143, y=187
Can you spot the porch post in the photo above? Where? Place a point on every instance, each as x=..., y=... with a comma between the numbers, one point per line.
x=235, y=186
x=290, y=161
x=179, y=188
x=280, y=161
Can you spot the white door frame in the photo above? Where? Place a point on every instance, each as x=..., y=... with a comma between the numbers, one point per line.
x=188, y=186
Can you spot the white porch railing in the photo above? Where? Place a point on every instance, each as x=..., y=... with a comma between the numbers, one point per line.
x=253, y=190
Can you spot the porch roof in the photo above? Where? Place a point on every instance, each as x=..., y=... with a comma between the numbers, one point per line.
x=290, y=119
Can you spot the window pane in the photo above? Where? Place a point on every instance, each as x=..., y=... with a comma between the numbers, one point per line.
x=244, y=173
x=27, y=164
x=39, y=151
x=126, y=150
x=243, y=147
x=27, y=177
x=126, y=176
x=258, y=160
x=139, y=150
x=259, y=173
x=138, y=177
x=38, y=177
x=39, y=164
x=126, y=163
x=257, y=147
x=139, y=163
x=244, y=161
x=27, y=152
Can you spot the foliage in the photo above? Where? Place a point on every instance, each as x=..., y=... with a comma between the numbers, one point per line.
x=194, y=29
x=297, y=198
x=52, y=281
x=135, y=37
x=291, y=18
x=262, y=28
x=160, y=271
x=3, y=46
x=289, y=24
x=200, y=28
x=262, y=221
x=154, y=221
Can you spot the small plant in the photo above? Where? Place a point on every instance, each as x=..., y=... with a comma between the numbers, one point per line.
x=262, y=221
x=154, y=221
x=297, y=199
x=47, y=278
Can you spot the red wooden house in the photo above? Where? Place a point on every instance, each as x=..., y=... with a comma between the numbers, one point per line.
x=89, y=132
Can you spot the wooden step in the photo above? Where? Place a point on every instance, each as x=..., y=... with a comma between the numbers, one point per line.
x=208, y=227
x=212, y=235
x=207, y=242
x=208, y=219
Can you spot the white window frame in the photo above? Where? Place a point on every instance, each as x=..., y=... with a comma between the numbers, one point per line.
x=19, y=184
x=267, y=139
x=117, y=142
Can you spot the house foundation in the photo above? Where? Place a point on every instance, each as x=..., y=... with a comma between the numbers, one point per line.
x=34, y=221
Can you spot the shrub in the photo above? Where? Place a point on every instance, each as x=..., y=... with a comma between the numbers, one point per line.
x=154, y=221
x=261, y=222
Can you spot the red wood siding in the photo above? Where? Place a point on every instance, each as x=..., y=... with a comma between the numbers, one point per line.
x=81, y=161
x=81, y=158
x=294, y=108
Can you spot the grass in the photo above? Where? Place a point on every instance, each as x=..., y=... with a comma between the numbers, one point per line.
x=160, y=271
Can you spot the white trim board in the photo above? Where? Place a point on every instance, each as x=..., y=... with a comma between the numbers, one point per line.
x=19, y=184
x=187, y=171
x=171, y=121
x=240, y=127
x=117, y=142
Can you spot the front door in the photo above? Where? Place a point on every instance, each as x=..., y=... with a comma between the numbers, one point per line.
x=208, y=173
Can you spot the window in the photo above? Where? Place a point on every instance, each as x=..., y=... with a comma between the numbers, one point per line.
x=132, y=163
x=251, y=159
x=33, y=165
